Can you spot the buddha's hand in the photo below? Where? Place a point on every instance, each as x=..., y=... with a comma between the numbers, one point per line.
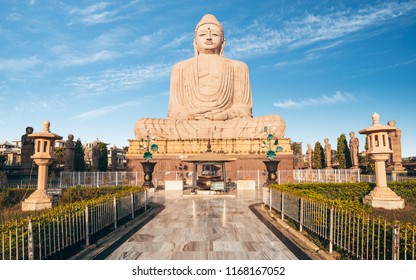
x=216, y=116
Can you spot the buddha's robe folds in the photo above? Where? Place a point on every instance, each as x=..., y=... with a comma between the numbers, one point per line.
x=210, y=97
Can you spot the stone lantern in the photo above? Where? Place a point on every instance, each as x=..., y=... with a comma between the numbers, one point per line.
x=43, y=157
x=379, y=151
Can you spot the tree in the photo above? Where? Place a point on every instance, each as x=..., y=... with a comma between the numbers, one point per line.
x=297, y=154
x=2, y=161
x=59, y=155
x=102, y=156
x=318, y=156
x=343, y=152
x=79, y=157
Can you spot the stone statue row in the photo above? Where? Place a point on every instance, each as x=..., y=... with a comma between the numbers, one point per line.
x=394, y=141
x=27, y=150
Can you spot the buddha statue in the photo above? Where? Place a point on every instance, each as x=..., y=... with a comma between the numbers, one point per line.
x=210, y=96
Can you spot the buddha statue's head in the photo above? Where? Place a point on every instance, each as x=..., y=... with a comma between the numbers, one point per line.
x=209, y=36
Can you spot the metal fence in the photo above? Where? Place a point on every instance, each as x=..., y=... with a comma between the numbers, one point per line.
x=69, y=179
x=112, y=178
x=44, y=235
x=358, y=235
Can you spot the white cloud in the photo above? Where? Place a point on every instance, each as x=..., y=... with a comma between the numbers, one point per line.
x=315, y=28
x=14, y=17
x=94, y=14
x=72, y=59
x=19, y=64
x=105, y=110
x=337, y=98
x=116, y=80
x=187, y=37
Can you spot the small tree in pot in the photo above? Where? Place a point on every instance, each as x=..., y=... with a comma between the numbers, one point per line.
x=271, y=164
x=148, y=167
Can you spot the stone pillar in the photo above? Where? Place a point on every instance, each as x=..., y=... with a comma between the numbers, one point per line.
x=43, y=157
x=378, y=149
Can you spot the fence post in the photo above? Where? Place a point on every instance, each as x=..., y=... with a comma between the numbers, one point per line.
x=87, y=226
x=283, y=205
x=30, y=245
x=331, y=229
x=132, y=204
x=258, y=178
x=145, y=199
x=116, y=178
x=301, y=215
x=396, y=242
x=115, y=211
x=136, y=179
x=270, y=199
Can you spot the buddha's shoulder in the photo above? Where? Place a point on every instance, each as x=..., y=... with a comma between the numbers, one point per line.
x=183, y=63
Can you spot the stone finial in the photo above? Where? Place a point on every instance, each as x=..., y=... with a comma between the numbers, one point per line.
x=46, y=126
x=376, y=118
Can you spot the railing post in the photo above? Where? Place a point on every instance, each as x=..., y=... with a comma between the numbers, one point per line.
x=30, y=245
x=283, y=205
x=115, y=211
x=278, y=177
x=301, y=214
x=132, y=204
x=87, y=226
x=145, y=199
x=396, y=242
x=331, y=229
x=258, y=178
x=270, y=199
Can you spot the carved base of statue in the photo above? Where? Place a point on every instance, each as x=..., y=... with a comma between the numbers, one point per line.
x=242, y=128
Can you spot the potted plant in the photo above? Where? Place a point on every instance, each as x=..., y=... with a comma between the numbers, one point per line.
x=271, y=164
x=148, y=167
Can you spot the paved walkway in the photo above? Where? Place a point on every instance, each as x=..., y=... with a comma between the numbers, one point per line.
x=194, y=227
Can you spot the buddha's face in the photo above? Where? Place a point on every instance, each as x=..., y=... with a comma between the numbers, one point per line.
x=209, y=39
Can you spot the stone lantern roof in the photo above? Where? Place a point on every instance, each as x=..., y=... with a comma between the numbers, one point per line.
x=46, y=133
x=377, y=136
x=376, y=126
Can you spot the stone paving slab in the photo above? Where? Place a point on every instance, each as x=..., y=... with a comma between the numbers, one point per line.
x=213, y=227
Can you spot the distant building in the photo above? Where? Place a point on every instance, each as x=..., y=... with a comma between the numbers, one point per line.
x=121, y=155
x=11, y=151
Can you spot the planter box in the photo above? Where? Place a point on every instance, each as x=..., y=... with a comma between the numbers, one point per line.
x=246, y=184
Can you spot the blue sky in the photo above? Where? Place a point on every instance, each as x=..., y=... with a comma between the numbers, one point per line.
x=94, y=68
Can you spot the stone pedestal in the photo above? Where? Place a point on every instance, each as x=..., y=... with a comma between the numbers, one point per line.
x=385, y=198
x=38, y=200
x=382, y=196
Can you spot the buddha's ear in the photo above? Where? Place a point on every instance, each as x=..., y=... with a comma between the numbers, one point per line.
x=222, y=48
x=195, y=48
